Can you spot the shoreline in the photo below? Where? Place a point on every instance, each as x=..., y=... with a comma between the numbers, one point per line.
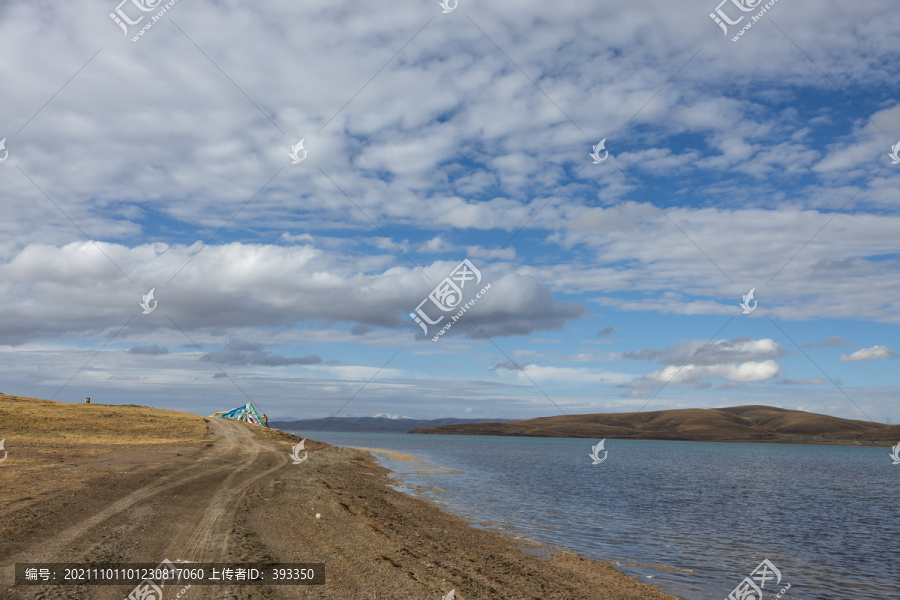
x=523, y=538
x=80, y=489
x=407, y=547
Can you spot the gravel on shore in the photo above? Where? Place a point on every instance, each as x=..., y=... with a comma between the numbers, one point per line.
x=379, y=542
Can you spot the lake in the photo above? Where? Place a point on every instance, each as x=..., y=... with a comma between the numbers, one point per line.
x=692, y=518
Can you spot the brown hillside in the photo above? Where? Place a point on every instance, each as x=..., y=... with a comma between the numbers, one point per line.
x=734, y=424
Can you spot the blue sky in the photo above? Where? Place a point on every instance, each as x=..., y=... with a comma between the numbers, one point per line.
x=432, y=138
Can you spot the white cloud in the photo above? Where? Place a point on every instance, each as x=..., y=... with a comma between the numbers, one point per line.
x=151, y=149
x=293, y=239
x=748, y=372
x=571, y=375
x=79, y=290
x=873, y=353
x=717, y=352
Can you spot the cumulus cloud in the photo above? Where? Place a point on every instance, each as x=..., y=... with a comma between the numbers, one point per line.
x=517, y=305
x=738, y=360
x=748, y=372
x=435, y=244
x=254, y=285
x=873, y=353
x=739, y=349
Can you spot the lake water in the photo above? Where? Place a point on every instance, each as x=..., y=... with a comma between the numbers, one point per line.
x=695, y=517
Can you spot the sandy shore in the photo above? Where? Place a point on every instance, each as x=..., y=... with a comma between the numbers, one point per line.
x=237, y=497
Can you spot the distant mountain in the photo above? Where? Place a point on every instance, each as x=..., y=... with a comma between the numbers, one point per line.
x=735, y=424
x=381, y=423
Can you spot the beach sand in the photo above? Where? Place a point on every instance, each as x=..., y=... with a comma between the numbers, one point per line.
x=216, y=490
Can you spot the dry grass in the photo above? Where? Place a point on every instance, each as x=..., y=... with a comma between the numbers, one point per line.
x=32, y=421
x=57, y=449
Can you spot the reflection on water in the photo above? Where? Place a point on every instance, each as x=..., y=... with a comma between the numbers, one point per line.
x=693, y=518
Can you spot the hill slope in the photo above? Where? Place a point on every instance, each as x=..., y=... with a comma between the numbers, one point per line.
x=734, y=424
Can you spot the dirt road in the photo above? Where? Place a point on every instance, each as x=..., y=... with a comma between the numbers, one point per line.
x=183, y=509
x=239, y=499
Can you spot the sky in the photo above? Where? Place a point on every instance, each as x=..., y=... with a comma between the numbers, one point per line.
x=619, y=176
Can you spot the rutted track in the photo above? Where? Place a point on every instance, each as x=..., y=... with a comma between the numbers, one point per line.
x=186, y=514
x=239, y=500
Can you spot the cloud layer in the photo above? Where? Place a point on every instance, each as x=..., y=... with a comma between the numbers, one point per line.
x=434, y=137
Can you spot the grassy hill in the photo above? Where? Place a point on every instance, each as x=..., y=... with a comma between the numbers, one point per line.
x=735, y=424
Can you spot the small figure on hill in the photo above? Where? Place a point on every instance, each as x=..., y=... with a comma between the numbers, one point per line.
x=265, y=419
x=87, y=400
